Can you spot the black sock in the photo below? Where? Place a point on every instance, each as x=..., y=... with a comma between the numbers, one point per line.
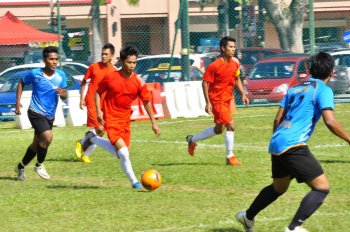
x=310, y=203
x=41, y=155
x=266, y=196
x=28, y=156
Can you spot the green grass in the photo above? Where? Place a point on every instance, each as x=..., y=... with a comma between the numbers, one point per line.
x=198, y=193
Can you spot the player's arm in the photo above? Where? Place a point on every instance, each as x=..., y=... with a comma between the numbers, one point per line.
x=62, y=92
x=82, y=96
x=98, y=108
x=149, y=110
x=279, y=118
x=334, y=126
x=205, y=87
x=19, y=92
x=239, y=85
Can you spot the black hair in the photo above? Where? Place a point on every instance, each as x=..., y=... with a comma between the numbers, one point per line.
x=322, y=65
x=49, y=49
x=128, y=51
x=110, y=47
x=224, y=41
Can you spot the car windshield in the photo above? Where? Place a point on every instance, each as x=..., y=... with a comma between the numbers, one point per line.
x=175, y=75
x=145, y=64
x=272, y=70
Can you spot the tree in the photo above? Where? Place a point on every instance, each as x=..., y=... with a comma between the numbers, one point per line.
x=96, y=31
x=288, y=19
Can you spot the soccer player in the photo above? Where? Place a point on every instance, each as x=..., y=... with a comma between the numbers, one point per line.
x=48, y=85
x=294, y=123
x=219, y=80
x=121, y=88
x=95, y=73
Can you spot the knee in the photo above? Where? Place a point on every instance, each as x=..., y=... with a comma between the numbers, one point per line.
x=218, y=130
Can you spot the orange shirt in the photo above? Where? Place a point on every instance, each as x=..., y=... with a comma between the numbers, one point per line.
x=221, y=76
x=120, y=93
x=96, y=72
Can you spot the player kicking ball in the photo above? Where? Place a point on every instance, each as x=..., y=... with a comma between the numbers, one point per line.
x=299, y=111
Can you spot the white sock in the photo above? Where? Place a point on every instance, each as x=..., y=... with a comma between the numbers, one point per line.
x=90, y=150
x=229, y=140
x=105, y=144
x=203, y=135
x=125, y=163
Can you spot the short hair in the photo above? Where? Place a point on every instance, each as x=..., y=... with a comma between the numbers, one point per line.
x=322, y=65
x=110, y=47
x=49, y=49
x=128, y=51
x=224, y=41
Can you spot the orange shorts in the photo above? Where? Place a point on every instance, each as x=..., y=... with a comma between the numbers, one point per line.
x=92, y=117
x=222, y=112
x=119, y=130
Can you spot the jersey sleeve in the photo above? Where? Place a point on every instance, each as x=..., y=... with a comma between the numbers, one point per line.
x=144, y=94
x=63, y=84
x=88, y=73
x=284, y=101
x=209, y=73
x=103, y=85
x=325, y=98
x=28, y=78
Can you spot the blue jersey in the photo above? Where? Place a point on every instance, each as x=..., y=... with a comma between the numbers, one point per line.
x=44, y=97
x=303, y=105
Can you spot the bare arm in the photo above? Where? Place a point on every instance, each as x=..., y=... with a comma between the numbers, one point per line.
x=82, y=96
x=98, y=108
x=239, y=86
x=279, y=118
x=19, y=92
x=148, y=108
x=62, y=93
x=208, y=107
x=334, y=126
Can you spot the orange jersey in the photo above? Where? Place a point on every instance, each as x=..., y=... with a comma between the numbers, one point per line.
x=120, y=93
x=96, y=72
x=221, y=77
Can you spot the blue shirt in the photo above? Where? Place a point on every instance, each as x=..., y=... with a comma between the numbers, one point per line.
x=44, y=97
x=303, y=106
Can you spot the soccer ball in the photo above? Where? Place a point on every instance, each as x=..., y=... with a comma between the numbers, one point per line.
x=151, y=179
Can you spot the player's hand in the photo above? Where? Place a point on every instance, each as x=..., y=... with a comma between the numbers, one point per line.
x=18, y=108
x=82, y=104
x=100, y=118
x=245, y=100
x=208, y=108
x=155, y=129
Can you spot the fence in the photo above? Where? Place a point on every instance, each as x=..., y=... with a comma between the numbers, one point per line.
x=263, y=29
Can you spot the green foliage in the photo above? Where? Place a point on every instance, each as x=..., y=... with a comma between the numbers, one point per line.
x=198, y=193
x=133, y=2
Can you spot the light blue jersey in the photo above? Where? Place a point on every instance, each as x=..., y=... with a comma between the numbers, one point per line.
x=303, y=106
x=44, y=97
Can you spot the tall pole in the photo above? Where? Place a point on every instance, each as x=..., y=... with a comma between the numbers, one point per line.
x=311, y=27
x=185, y=41
x=59, y=33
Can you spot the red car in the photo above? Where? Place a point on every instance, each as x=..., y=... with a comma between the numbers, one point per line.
x=270, y=79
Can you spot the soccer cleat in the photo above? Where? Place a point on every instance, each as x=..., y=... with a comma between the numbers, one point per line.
x=42, y=172
x=233, y=161
x=20, y=173
x=191, y=145
x=296, y=229
x=137, y=186
x=85, y=159
x=85, y=142
x=247, y=224
x=78, y=149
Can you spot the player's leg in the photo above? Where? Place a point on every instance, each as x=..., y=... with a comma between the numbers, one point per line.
x=28, y=156
x=309, y=171
x=231, y=159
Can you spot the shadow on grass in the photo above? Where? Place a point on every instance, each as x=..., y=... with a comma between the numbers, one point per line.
x=335, y=161
x=189, y=164
x=8, y=178
x=72, y=187
x=226, y=230
x=62, y=159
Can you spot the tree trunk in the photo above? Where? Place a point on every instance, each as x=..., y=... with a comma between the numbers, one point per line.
x=96, y=32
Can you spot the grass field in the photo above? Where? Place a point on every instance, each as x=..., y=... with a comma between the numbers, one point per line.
x=198, y=193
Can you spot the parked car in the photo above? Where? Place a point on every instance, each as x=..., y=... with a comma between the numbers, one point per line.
x=270, y=78
x=199, y=60
x=251, y=55
x=35, y=55
x=342, y=58
x=160, y=74
x=9, y=87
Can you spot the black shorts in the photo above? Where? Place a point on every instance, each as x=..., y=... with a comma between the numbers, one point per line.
x=39, y=122
x=297, y=162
